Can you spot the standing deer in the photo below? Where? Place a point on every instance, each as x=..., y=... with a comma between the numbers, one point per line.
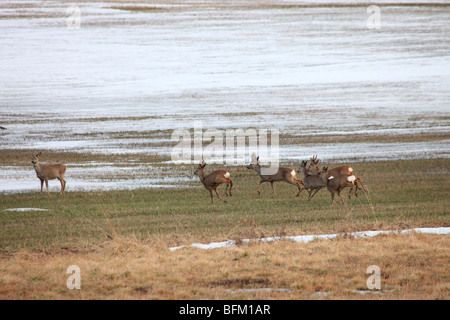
x=214, y=179
x=335, y=184
x=342, y=170
x=47, y=172
x=283, y=174
x=312, y=183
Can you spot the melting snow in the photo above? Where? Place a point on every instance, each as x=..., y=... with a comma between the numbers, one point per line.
x=309, y=238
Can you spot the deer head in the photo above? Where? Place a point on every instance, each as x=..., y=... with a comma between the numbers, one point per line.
x=325, y=173
x=35, y=158
x=254, y=163
x=302, y=166
x=200, y=167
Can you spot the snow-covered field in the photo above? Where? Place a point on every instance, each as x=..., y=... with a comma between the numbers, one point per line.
x=142, y=69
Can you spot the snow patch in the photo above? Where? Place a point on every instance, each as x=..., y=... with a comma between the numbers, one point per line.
x=309, y=238
x=24, y=209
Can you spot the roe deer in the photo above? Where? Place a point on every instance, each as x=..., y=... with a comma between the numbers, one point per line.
x=283, y=174
x=338, y=171
x=47, y=172
x=312, y=183
x=214, y=179
x=335, y=184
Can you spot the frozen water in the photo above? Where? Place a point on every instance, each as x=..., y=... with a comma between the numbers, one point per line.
x=307, y=71
x=93, y=177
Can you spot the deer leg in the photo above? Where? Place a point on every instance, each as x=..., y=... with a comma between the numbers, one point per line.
x=297, y=184
x=61, y=180
x=231, y=186
x=332, y=197
x=312, y=193
x=342, y=199
x=350, y=192
x=273, y=189
x=315, y=191
x=362, y=185
x=212, y=198
x=356, y=189
x=300, y=191
x=46, y=185
x=215, y=190
x=299, y=187
x=42, y=184
x=259, y=186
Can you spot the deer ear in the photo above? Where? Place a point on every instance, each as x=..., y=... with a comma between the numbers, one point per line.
x=38, y=154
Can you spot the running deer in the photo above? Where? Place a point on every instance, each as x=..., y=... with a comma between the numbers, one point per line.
x=312, y=183
x=335, y=184
x=213, y=180
x=47, y=172
x=283, y=174
x=342, y=170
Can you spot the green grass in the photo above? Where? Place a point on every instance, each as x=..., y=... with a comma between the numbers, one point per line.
x=403, y=194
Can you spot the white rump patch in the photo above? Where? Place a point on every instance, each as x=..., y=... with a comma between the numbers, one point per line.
x=331, y=178
x=351, y=179
x=293, y=173
x=227, y=175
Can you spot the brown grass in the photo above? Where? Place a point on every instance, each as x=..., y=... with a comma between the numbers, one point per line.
x=363, y=138
x=412, y=267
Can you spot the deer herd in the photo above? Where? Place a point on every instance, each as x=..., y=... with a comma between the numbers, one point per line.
x=312, y=178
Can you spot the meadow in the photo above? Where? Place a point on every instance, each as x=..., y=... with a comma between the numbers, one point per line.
x=402, y=194
x=121, y=240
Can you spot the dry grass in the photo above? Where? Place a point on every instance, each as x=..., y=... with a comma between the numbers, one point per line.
x=412, y=267
x=22, y=157
x=286, y=139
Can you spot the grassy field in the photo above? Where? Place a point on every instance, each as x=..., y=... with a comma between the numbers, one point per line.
x=120, y=230
x=402, y=194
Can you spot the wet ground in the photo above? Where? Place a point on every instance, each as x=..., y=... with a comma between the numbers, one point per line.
x=136, y=71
